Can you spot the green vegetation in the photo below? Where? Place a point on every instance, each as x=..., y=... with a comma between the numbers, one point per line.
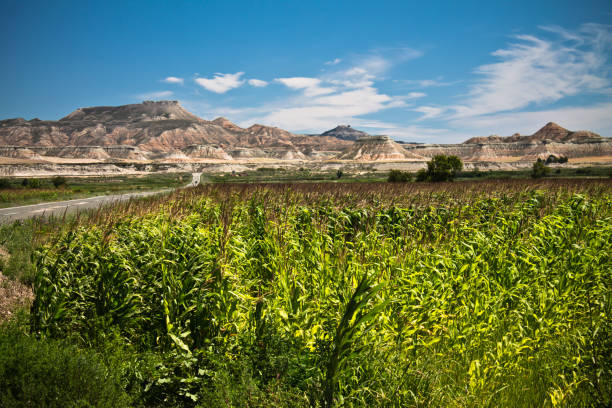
x=302, y=175
x=492, y=293
x=556, y=159
x=559, y=172
x=539, y=169
x=441, y=168
x=50, y=373
x=398, y=176
x=23, y=191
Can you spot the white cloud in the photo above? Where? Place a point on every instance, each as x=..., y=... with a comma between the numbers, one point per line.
x=299, y=82
x=221, y=83
x=311, y=86
x=597, y=118
x=257, y=83
x=174, y=80
x=429, y=112
x=155, y=95
x=335, y=61
x=535, y=71
x=425, y=83
x=339, y=96
x=414, y=95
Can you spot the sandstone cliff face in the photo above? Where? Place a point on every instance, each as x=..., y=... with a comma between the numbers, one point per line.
x=372, y=148
x=550, y=132
x=158, y=130
x=165, y=131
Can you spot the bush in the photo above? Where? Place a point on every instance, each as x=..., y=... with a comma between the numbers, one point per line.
x=556, y=159
x=5, y=183
x=49, y=373
x=441, y=168
x=398, y=176
x=339, y=174
x=31, y=183
x=59, y=181
x=539, y=169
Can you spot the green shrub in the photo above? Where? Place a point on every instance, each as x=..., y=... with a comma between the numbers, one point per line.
x=5, y=183
x=49, y=373
x=441, y=168
x=31, y=183
x=398, y=176
x=539, y=169
x=59, y=181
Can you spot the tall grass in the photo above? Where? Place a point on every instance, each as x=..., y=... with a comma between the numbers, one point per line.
x=470, y=294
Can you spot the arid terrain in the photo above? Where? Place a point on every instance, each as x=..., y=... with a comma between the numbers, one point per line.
x=163, y=136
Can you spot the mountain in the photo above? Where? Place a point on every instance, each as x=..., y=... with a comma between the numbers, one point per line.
x=141, y=112
x=345, y=133
x=164, y=131
x=372, y=148
x=156, y=130
x=550, y=132
x=226, y=124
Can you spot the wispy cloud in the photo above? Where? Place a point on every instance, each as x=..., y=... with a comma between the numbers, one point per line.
x=425, y=83
x=429, y=112
x=340, y=96
x=534, y=70
x=221, y=83
x=414, y=95
x=596, y=117
x=310, y=86
x=155, y=95
x=174, y=80
x=257, y=83
x=335, y=61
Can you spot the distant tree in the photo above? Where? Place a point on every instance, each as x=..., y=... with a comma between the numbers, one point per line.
x=31, y=183
x=339, y=173
x=398, y=176
x=539, y=169
x=5, y=183
x=421, y=175
x=59, y=181
x=441, y=168
x=556, y=159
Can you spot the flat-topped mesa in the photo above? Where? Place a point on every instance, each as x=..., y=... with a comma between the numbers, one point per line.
x=139, y=112
x=345, y=132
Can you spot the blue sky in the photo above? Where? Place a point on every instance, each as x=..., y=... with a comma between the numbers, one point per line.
x=418, y=71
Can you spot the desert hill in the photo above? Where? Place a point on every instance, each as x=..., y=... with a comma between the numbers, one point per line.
x=165, y=131
x=372, y=148
x=345, y=132
x=550, y=132
x=157, y=130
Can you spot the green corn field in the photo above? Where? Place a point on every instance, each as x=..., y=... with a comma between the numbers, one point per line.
x=491, y=294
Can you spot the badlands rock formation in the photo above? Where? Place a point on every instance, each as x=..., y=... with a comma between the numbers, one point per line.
x=345, y=132
x=552, y=139
x=374, y=148
x=152, y=131
x=164, y=132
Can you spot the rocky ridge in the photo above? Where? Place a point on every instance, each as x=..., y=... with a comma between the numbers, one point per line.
x=165, y=132
x=374, y=148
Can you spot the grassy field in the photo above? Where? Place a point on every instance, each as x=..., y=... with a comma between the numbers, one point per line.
x=13, y=192
x=466, y=294
x=280, y=175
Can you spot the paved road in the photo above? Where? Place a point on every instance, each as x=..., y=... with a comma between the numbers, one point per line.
x=72, y=206
x=195, y=180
